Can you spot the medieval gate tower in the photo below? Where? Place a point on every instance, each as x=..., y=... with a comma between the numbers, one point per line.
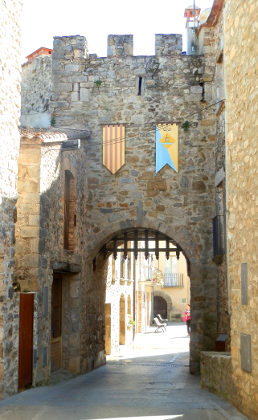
x=128, y=97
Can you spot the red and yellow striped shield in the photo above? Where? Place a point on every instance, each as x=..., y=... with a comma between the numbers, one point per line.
x=113, y=147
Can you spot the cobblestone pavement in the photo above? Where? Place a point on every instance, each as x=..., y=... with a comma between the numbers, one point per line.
x=150, y=381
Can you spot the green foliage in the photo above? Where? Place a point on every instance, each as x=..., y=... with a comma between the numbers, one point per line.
x=52, y=122
x=98, y=83
x=131, y=322
x=186, y=125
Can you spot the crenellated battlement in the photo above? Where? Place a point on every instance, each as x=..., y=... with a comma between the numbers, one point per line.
x=168, y=44
x=120, y=45
x=70, y=47
x=76, y=46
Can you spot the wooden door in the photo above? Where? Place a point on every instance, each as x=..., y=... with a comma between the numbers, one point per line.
x=26, y=340
x=108, y=328
x=56, y=323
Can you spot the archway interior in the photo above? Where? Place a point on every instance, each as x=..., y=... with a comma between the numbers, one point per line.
x=144, y=266
x=143, y=240
x=160, y=306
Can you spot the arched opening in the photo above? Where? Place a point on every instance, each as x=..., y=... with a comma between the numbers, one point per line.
x=122, y=321
x=144, y=246
x=134, y=291
x=160, y=306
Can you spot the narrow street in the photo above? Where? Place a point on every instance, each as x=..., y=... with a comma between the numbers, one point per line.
x=151, y=381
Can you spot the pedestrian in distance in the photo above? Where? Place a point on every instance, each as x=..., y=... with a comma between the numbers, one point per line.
x=187, y=318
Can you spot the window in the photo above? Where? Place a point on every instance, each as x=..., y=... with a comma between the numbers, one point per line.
x=140, y=86
x=69, y=212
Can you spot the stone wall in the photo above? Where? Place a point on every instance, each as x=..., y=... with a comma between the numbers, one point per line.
x=216, y=373
x=35, y=92
x=181, y=204
x=28, y=215
x=10, y=13
x=40, y=249
x=211, y=45
x=241, y=157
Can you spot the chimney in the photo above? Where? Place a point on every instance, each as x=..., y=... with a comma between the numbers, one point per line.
x=192, y=14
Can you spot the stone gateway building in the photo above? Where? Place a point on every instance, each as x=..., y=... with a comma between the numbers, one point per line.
x=90, y=181
x=137, y=93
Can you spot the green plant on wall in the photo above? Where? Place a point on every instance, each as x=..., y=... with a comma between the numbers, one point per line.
x=131, y=322
x=186, y=125
x=52, y=122
x=98, y=83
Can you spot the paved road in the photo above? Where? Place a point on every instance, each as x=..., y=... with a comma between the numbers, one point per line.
x=152, y=382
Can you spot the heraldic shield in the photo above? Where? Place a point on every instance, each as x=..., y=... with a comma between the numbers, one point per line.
x=113, y=147
x=166, y=146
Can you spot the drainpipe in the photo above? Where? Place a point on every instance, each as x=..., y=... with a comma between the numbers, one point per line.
x=134, y=295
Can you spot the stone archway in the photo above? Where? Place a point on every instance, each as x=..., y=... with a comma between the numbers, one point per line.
x=202, y=277
x=162, y=295
x=160, y=307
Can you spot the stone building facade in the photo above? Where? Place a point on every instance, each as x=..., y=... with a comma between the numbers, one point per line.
x=49, y=249
x=241, y=157
x=211, y=46
x=138, y=92
x=10, y=75
x=181, y=204
x=70, y=206
x=171, y=286
x=234, y=375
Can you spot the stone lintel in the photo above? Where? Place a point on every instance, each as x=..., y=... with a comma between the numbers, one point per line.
x=66, y=267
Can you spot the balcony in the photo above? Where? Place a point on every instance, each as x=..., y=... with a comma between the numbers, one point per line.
x=173, y=280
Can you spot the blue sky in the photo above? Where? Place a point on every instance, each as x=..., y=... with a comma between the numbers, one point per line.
x=95, y=19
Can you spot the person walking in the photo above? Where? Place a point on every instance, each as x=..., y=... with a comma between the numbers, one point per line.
x=187, y=318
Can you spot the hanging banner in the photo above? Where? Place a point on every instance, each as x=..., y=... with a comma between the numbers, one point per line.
x=113, y=147
x=166, y=146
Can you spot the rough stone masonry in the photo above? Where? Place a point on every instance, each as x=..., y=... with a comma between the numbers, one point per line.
x=89, y=92
x=10, y=75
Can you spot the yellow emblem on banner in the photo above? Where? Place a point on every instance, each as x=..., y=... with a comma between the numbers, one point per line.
x=113, y=147
x=166, y=146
